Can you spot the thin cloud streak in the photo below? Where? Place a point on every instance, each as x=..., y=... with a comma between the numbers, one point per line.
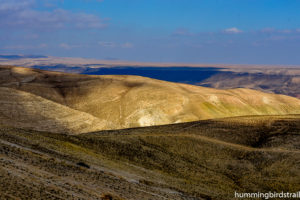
x=21, y=14
x=233, y=30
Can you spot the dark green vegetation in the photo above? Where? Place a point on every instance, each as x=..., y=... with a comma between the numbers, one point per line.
x=197, y=160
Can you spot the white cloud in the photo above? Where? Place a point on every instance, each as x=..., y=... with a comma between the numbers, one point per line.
x=15, y=5
x=65, y=46
x=268, y=30
x=70, y=46
x=127, y=45
x=22, y=14
x=31, y=36
x=273, y=30
x=285, y=31
x=277, y=38
x=25, y=47
x=182, y=32
x=233, y=30
x=107, y=44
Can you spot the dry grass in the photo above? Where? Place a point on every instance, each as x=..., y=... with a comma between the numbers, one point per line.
x=199, y=160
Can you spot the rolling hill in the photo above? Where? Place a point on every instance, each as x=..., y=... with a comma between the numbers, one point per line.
x=278, y=79
x=209, y=159
x=61, y=102
x=57, y=142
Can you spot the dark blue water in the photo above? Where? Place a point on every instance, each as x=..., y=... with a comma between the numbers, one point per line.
x=191, y=75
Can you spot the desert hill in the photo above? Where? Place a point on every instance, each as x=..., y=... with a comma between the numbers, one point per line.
x=61, y=102
x=209, y=159
x=26, y=110
x=278, y=79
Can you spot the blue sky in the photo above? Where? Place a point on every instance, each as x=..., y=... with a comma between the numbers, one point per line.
x=194, y=31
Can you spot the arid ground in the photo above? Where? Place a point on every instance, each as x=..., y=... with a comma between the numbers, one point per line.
x=71, y=136
x=198, y=160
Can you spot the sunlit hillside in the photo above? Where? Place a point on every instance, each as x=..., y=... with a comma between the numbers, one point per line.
x=60, y=102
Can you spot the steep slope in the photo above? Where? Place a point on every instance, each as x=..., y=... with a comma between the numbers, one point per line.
x=22, y=109
x=208, y=159
x=133, y=101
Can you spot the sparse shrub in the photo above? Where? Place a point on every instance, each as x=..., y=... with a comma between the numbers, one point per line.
x=109, y=197
x=82, y=164
x=106, y=197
